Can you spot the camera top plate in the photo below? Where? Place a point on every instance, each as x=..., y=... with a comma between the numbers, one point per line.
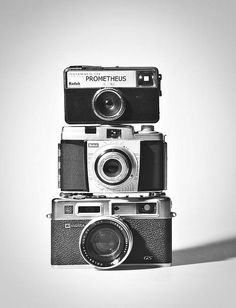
x=112, y=133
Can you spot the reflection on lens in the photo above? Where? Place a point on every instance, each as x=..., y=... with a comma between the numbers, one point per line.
x=108, y=104
x=105, y=242
x=112, y=167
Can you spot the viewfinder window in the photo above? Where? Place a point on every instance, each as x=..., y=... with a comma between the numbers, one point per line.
x=89, y=209
x=145, y=79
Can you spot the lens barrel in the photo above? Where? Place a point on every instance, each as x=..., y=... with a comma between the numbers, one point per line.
x=113, y=167
x=108, y=104
x=106, y=242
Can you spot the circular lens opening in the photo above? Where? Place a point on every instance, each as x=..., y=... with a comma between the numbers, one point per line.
x=112, y=167
x=106, y=242
x=108, y=104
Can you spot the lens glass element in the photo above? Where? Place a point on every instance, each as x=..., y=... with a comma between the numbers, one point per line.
x=105, y=242
x=112, y=167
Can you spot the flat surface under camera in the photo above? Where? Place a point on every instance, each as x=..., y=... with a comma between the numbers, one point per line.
x=200, y=277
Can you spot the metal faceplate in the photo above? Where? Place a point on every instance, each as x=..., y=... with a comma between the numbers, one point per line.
x=95, y=149
x=71, y=209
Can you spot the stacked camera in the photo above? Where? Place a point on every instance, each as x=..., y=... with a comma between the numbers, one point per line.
x=112, y=208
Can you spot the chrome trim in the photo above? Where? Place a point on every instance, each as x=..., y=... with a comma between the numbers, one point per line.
x=163, y=208
x=127, y=133
x=110, y=195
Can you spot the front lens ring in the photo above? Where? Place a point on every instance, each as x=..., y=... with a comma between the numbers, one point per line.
x=100, y=115
x=103, y=263
x=123, y=159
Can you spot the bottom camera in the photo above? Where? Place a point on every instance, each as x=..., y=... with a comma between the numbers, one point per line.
x=108, y=232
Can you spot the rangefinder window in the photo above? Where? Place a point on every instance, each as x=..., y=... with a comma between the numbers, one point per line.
x=134, y=208
x=146, y=208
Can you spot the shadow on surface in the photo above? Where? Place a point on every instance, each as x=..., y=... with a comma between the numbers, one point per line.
x=133, y=267
x=211, y=252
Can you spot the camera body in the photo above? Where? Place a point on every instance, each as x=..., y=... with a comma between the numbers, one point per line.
x=112, y=209
x=112, y=159
x=107, y=232
x=114, y=95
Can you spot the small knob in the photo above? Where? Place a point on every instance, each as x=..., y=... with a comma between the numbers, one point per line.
x=147, y=128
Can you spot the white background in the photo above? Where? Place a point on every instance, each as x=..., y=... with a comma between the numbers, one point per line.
x=193, y=45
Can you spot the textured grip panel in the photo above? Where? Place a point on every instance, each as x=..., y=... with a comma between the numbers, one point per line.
x=152, y=241
x=65, y=242
x=152, y=238
x=73, y=162
x=153, y=166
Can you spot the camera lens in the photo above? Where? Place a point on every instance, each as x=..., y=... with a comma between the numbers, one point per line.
x=113, y=167
x=106, y=242
x=108, y=104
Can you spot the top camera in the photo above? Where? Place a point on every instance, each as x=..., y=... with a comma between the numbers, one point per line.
x=111, y=95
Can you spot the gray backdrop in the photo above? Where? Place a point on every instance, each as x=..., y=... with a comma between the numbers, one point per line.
x=193, y=45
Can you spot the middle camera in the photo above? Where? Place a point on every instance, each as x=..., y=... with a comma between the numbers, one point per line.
x=112, y=159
